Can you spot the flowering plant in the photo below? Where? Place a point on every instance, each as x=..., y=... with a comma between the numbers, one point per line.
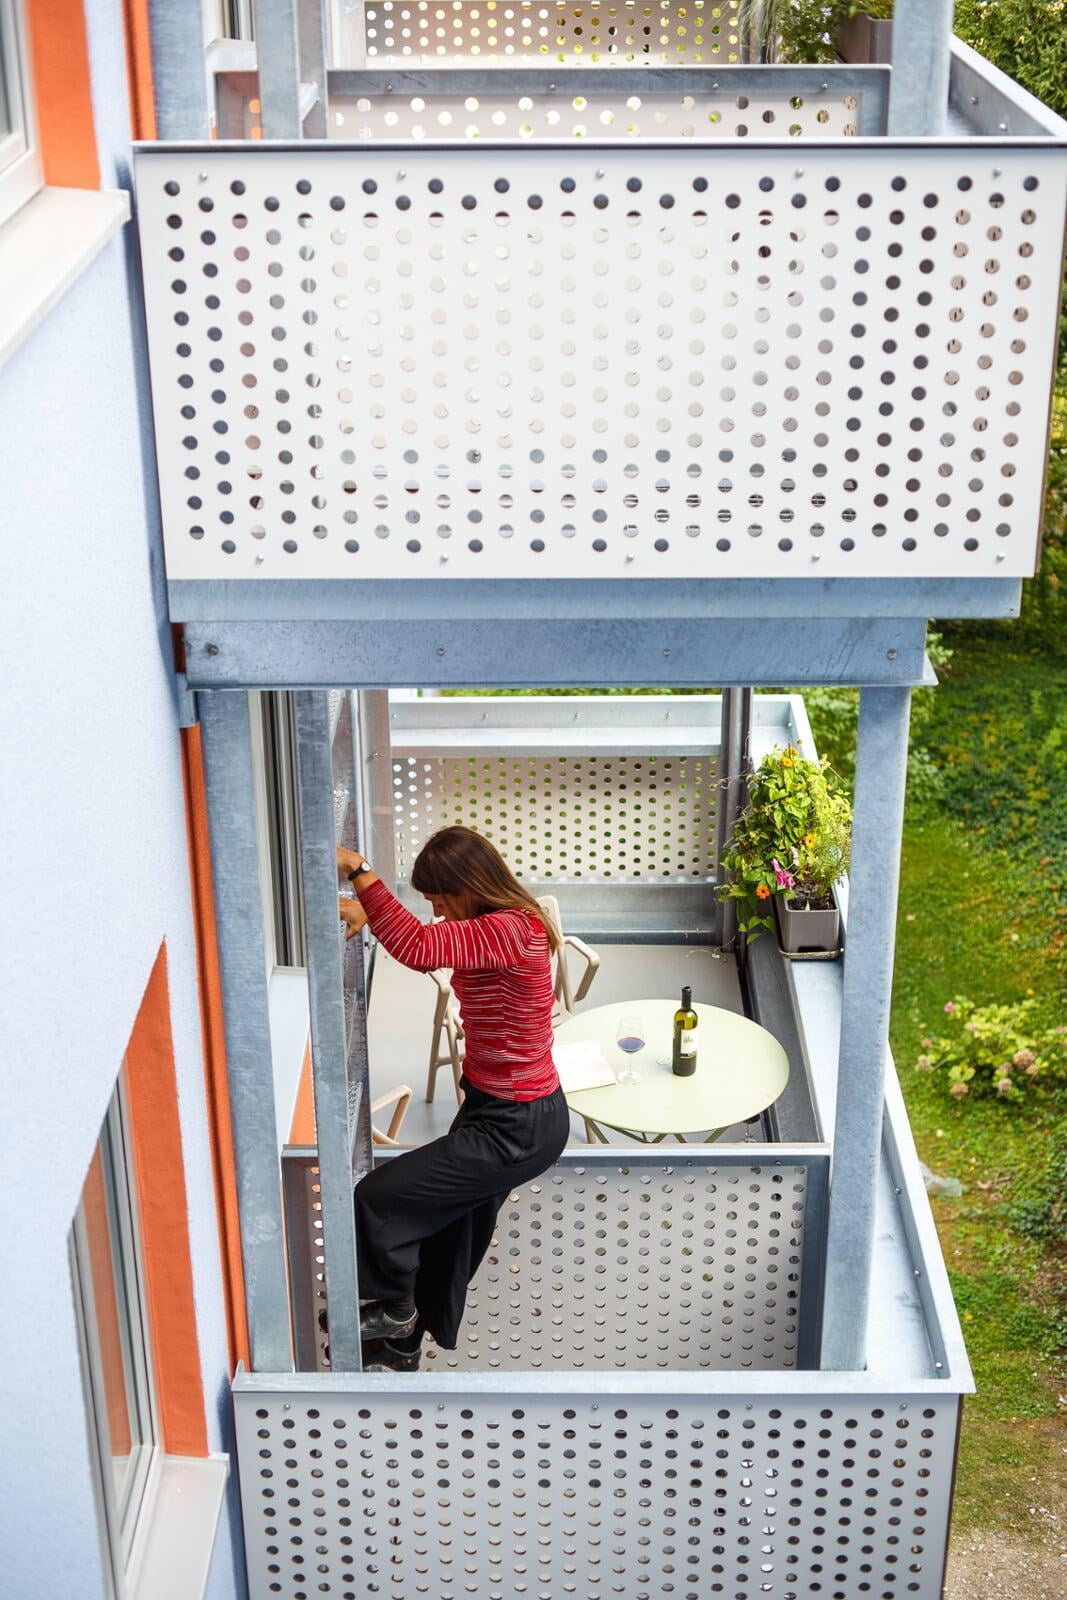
x=792, y=838
x=993, y=1050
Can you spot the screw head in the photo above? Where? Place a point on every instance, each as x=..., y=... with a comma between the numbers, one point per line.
x=440, y=650
x=211, y=649
x=666, y=652
x=891, y=655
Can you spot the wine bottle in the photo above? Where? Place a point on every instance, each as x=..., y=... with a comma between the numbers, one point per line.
x=684, y=1058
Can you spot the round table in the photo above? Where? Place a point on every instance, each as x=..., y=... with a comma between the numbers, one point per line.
x=741, y=1070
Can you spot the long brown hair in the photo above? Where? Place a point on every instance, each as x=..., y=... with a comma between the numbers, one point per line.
x=458, y=861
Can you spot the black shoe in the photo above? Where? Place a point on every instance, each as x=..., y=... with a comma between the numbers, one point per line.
x=381, y=1355
x=380, y=1321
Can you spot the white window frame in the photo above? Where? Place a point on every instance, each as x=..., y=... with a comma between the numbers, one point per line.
x=21, y=171
x=126, y=1520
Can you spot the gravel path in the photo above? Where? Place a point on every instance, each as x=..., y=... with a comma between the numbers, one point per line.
x=990, y=1566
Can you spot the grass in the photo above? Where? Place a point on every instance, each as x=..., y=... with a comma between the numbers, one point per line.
x=983, y=912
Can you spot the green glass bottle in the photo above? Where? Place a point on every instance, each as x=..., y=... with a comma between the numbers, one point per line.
x=684, y=1058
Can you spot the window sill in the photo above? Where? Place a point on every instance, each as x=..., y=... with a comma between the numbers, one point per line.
x=45, y=247
x=176, y=1557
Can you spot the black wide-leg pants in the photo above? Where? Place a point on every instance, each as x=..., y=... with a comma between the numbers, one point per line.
x=425, y=1219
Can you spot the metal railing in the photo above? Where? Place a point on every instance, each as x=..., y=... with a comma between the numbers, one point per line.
x=613, y=361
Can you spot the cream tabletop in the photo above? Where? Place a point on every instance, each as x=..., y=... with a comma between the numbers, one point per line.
x=741, y=1070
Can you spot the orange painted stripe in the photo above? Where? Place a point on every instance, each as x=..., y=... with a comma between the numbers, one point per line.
x=302, y=1129
x=59, y=53
x=155, y=1129
x=105, y=1308
x=139, y=69
x=214, y=1044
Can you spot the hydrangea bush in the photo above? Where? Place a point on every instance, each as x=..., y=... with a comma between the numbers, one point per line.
x=1001, y=1051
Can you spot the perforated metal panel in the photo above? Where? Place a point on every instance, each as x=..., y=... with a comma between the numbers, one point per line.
x=532, y=104
x=624, y=361
x=609, y=1265
x=662, y=1267
x=495, y=33
x=617, y=111
x=588, y=819
x=356, y=1492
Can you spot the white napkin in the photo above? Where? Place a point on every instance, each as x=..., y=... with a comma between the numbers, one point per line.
x=582, y=1065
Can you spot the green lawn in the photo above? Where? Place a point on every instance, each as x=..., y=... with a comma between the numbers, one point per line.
x=983, y=912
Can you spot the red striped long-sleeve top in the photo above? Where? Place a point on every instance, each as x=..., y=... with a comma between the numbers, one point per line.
x=502, y=977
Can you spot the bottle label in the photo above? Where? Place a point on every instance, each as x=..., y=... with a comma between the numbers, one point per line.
x=687, y=1045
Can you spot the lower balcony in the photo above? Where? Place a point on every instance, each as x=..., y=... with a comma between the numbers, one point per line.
x=635, y=1405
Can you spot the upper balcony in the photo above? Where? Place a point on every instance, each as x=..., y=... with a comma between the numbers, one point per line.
x=700, y=323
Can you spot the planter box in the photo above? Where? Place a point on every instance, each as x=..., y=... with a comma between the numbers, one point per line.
x=807, y=934
x=863, y=40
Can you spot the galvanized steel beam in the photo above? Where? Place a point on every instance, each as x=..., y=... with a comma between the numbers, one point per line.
x=623, y=652
x=338, y=1100
x=881, y=767
x=402, y=601
x=918, y=92
x=226, y=731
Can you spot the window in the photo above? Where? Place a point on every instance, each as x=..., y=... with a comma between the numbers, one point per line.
x=21, y=174
x=110, y=1301
x=275, y=763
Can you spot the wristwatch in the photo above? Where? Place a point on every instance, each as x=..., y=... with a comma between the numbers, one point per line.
x=358, y=872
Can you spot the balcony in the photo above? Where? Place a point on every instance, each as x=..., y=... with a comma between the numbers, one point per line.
x=607, y=362
x=693, y=324
x=643, y=1335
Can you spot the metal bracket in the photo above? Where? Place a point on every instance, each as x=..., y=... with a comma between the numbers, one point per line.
x=185, y=699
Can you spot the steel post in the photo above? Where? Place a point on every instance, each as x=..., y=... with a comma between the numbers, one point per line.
x=918, y=91
x=377, y=757
x=337, y=1101
x=278, y=62
x=227, y=736
x=179, y=84
x=733, y=753
x=881, y=767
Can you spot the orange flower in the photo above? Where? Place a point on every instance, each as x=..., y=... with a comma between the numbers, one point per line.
x=762, y=892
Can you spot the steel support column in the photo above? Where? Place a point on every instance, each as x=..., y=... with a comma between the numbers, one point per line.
x=881, y=767
x=918, y=92
x=733, y=757
x=176, y=34
x=339, y=1101
x=376, y=748
x=278, y=63
x=227, y=736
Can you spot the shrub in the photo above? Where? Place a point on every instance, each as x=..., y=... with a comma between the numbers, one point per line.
x=793, y=837
x=999, y=1051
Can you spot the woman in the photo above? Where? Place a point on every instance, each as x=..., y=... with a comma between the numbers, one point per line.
x=425, y=1219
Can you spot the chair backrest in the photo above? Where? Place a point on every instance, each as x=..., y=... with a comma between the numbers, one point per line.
x=560, y=977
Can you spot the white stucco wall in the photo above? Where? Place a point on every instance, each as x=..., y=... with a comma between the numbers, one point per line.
x=94, y=872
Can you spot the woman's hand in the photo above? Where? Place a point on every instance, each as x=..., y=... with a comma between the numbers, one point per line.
x=352, y=914
x=348, y=860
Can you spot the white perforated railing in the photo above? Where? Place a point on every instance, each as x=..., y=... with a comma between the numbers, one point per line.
x=612, y=361
x=388, y=1488
x=608, y=803
x=561, y=33
x=533, y=105
x=705, y=1262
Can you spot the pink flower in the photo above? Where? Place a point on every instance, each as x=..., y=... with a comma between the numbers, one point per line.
x=958, y=1091
x=785, y=879
x=924, y=1064
x=1003, y=1085
x=1032, y=1070
x=950, y=1006
x=1023, y=1058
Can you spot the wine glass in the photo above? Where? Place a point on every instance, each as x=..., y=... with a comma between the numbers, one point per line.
x=630, y=1038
